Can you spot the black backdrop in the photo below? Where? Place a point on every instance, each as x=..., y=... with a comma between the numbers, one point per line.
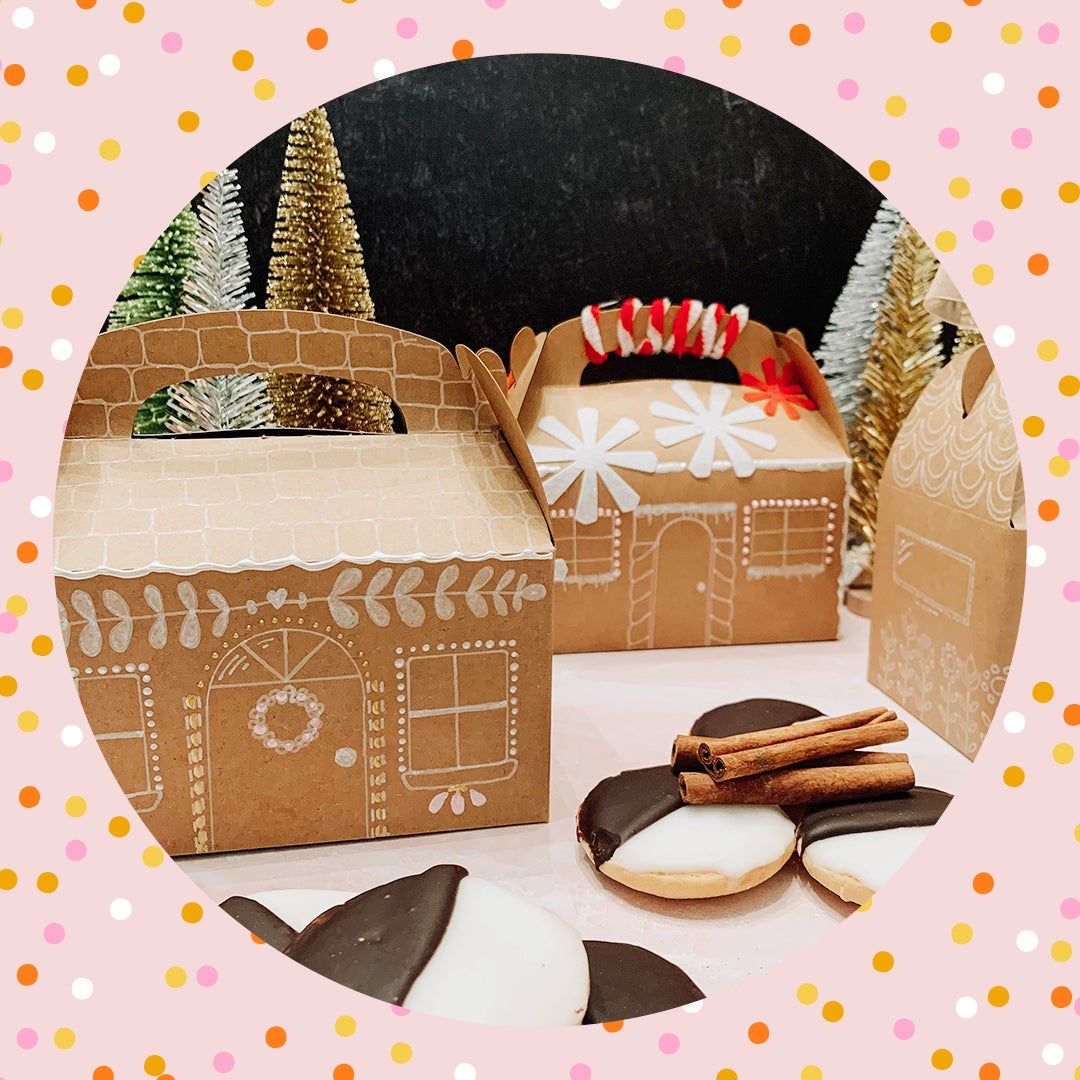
x=513, y=190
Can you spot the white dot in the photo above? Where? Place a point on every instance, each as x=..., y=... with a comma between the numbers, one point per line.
x=72, y=735
x=994, y=82
x=464, y=1071
x=1053, y=1054
x=611, y=5
x=81, y=989
x=1036, y=555
x=383, y=69
x=44, y=142
x=22, y=18
x=120, y=909
x=61, y=349
x=1004, y=336
x=693, y=1007
x=1027, y=941
x=1013, y=722
x=109, y=64
x=41, y=506
x=966, y=1007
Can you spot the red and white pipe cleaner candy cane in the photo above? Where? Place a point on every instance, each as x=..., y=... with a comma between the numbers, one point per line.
x=740, y=316
x=625, y=328
x=590, y=329
x=710, y=344
x=654, y=334
x=688, y=314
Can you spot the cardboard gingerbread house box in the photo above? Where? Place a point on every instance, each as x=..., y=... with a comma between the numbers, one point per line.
x=288, y=637
x=696, y=470
x=950, y=554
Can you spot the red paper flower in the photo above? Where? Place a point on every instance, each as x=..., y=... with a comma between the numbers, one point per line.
x=785, y=390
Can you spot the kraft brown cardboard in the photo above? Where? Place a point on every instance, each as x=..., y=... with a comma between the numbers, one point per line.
x=707, y=520
x=290, y=639
x=949, y=565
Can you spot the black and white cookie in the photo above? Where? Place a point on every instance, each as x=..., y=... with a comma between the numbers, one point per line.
x=854, y=848
x=635, y=829
x=628, y=981
x=441, y=942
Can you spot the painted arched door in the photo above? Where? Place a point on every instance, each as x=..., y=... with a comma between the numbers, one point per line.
x=683, y=573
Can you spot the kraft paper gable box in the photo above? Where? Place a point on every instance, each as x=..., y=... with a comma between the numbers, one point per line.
x=950, y=558
x=685, y=512
x=296, y=638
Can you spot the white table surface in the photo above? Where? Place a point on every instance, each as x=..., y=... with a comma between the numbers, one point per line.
x=613, y=711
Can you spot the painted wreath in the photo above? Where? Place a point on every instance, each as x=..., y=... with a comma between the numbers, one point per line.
x=287, y=695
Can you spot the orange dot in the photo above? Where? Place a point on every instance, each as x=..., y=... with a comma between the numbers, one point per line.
x=191, y=912
x=243, y=60
x=14, y=74
x=732, y=3
x=758, y=1032
x=275, y=1037
x=997, y=996
x=1042, y=692
x=317, y=38
x=940, y=32
x=973, y=3
x=1049, y=96
x=48, y=882
x=41, y=645
x=463, y=49
x=29, y=797
x=26, y=975
x=982, y=883
x=134, y=12
x=86, y=5
x=258, y=940
x=344, y=1072
x=989, y=1071
x=119, y=826
x=799, y=34
x=1038, y=264
x=613, y=1026
x=103, y=1072
x=1013, y=776
x=188, y=120
x=89, y=199
x=1071, y=715
x=26, y=552
x=154, y=1065
x=1049, y=510
x=6, y=356
x=62, y=295
x=1069, y=385
x=1060, y=997
x=77, y=75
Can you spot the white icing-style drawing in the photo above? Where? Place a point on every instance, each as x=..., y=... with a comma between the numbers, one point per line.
x=938, y=576
x=592, y=457
x=790, y=538
x=259, y=719
x=711, y=424
x=589, y=555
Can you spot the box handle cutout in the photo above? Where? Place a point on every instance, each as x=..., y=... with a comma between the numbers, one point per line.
x=979, y=368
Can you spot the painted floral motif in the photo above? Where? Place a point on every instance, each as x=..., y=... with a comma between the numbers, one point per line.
x=711, y=424
x=455, y=795
x=592, y=457
x=778, y=391
x=259, y=721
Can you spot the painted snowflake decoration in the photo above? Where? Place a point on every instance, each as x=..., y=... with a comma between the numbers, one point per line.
x=594, y=459
x=711, y=424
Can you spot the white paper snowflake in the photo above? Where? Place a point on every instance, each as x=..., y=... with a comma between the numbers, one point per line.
x=712, y=424
x=593, y=458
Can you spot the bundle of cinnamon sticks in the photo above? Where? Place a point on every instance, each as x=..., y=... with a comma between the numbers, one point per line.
x=808, y=762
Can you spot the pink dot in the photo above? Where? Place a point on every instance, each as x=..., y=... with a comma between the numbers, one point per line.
x=496, y=4
x=8, y=623
x=1070, y=908
x=398, y=1010
x=1049, y=33
x=206, y=975
x=7, y=471
x=854, y=23
x=983, y=230
x=26, y=1039
x=848, y=89
x=1068, y=448
x=676, y=64
x=580, y=1072
x=949, y=138
x=1071, y=592
x=223, y=1062
x=407, y=28
x=172, y=42
x=669, y=1043
x=1021, y=138
x=75, y=850
x=5, y=175
x=54, y=933
x=903, y=1028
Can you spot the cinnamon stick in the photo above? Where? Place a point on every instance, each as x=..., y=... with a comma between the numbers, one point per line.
x=687, y=754
x=732, y=766
x=796, y=786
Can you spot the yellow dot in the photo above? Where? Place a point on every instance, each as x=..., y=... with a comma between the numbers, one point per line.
x=175, y=977
x=866, y=906
x=191, y=912
x=48, y=882
x=730, y=45
x=264, y=3
x=119, y=826
x=206, y=178
x=154, y=1065
x=945, y=240
x=10, y=131
x=811, y=1072
x=12, y=318
x=134, y=12
x=109, y=149
x=1034, y=426
x=1064, y=753
x=1047, y=350
x=401, y=1053
x=28, y=721
x=1011, y=198
x=1069, y=192
x=879, y=170
x=1043, y=692
x=188, y=121
x=264, y=89
x=153, y=855
x=883, y=961
x=41, y=645
x=17, y=606
x=675, y=18
x=895, y=105
x=959, y=187
x=997, y=996
x=1061, y=951
x=1069, y=385
x=983, y=274
x=1013, y=776
x=807, y=994
x=1011, y=33
x=64, y=1038
x=9, y=879
x=940, y=32
x=962, y=933
x=941, y=1059
x=345, y=1026
x=33, y=379
x=75, y=806
x=832, y=1011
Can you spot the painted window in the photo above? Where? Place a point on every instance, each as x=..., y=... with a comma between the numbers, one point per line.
x=587, y=554
x=788, y=537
